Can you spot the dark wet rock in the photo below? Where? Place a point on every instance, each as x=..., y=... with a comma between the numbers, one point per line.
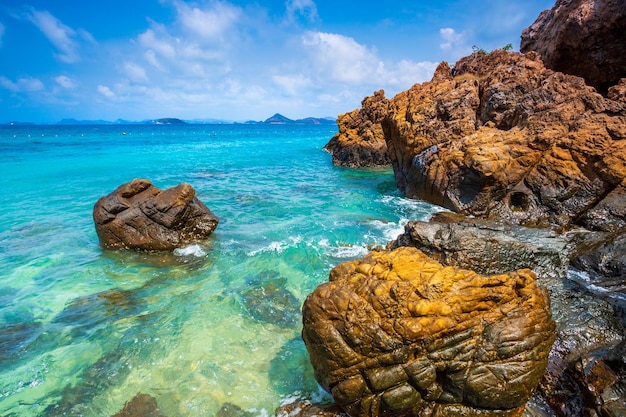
x=138, y=215
x=233, y=410
x=397, y=333
x=268, y=300
x=141, y=405
x=360, y=142
x=306, y=409
x=581, y=37
x=487, y=247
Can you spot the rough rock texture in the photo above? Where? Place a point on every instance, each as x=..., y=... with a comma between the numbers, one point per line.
x=500, y=136
x=487, y=247
x=360, y=142
x=588, y=333
x=581, y=37
x=138, y=215
x=398, y=334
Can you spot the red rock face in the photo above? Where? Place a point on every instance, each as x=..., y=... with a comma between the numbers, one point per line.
x=582, y=37
x=138, y=215
x=360, y=142
x=500, y=136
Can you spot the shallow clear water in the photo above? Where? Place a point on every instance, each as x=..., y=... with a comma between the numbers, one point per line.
x=83, y=330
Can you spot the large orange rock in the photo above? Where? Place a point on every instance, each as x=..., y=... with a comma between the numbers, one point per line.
x=398, y=334
x=500, y=136
x=360, y=142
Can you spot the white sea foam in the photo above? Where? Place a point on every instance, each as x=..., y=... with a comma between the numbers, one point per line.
x=342, y=250
x=278, y=246
x=191, y=250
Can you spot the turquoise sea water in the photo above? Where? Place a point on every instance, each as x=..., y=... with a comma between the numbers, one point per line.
x=83, y=330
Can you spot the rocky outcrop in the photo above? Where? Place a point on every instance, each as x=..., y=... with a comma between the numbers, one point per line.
x=582, y=37
x=397, y=333
x=500, y=136
x=586, y=368
x=138, y=215
x=360, y=142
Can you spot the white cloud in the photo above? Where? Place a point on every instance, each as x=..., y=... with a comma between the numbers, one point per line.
x=292, y=84
x=106, y=91
x=65, y=81
x=305, y=8
x=134, y=72
x=22, y=85
x=450, y=38
x=154, y=45
x=60, y=35
x=340, y=57
x=210, y=24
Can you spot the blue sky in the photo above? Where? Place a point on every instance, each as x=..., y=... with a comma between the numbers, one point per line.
x=234, y=60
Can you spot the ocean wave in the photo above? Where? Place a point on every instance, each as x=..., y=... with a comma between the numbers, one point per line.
x=278, y=246
x=411, y=208
x=343, y=250
x=191, y=250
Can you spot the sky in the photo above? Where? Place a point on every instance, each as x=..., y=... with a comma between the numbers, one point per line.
x=233, y=60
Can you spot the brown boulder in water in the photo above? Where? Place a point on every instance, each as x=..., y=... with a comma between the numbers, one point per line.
x=138, y=215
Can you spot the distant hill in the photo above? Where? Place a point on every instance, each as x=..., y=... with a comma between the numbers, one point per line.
x=279, y=119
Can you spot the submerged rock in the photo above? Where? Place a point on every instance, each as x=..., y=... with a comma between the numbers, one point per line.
x=581, y=37
x=141, y=405
x=268, y=300
x=138, y=215
x=360, y=142
x=397, y=333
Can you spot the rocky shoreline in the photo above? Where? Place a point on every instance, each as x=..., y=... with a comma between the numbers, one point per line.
x=515, y=303
x=533, y=160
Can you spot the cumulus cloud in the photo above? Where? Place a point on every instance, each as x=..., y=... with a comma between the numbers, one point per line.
x=61, y=36
x=208, y=24
x=134, y=72
x=450, y=38
x=22, y=85
x=342, y=59
x=303, y=8
x=65, y=81
x=105, y=91
x=195, y=45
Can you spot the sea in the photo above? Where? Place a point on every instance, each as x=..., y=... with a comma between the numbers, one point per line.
x=211, y=327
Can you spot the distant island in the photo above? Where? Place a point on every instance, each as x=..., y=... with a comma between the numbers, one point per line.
x=279, y=119
x=276, y=119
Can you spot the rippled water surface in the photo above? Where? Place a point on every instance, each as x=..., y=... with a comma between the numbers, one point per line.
x=83, y=330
